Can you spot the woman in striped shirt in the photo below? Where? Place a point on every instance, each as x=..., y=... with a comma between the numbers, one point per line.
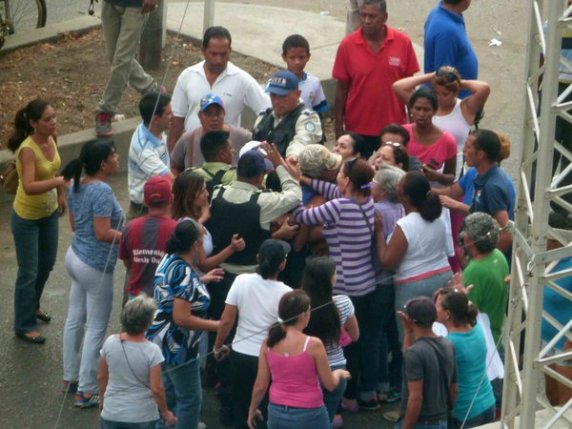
x=348, y=220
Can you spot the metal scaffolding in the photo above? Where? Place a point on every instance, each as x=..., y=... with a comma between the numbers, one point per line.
x=539, y=185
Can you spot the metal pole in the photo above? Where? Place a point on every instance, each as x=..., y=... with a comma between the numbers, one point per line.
x=208, y=17
x=522, y=395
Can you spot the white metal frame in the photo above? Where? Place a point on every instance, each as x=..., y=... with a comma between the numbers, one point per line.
x=523, y=393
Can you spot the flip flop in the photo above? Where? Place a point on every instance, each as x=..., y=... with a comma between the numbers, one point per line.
x=44, y=317
x=38, y=339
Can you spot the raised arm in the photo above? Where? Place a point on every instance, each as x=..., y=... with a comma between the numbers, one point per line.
x=403, y=88
x=475, y=102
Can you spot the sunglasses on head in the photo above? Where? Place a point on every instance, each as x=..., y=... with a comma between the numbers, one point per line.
x=394, y=144
x=449, y=75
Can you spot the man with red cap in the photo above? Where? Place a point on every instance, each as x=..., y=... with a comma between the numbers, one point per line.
x=144, y=239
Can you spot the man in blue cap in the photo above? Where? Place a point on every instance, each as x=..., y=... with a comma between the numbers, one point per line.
x=289, y=124
x=187, y=151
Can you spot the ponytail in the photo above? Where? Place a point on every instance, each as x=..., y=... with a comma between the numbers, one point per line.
x=418, y=191
x=276, y=334
x=292, y=305
x=33, y=111
x=431, y=208
x=92, y=155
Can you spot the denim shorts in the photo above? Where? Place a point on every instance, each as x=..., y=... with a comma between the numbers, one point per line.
x=284, y=417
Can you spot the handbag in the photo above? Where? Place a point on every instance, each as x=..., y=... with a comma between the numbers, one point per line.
x=9, y=178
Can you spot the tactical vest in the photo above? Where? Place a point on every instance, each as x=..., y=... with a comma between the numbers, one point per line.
x=284, y=132
x=215, y=179
x=243, y=219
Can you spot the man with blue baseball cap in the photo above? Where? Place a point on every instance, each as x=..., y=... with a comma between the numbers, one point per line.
x=289, y=124
x=187, y=151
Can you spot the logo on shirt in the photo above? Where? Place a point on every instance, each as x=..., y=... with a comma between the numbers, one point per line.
x=394, y=61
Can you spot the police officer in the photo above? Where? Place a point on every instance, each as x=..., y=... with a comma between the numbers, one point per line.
x=288, y=124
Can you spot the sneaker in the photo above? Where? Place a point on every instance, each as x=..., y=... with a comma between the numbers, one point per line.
x=83, y=401
x=70, y=387
x=392, y=396
x=369, y=405
x=392, y=416
x=103, y=124
x=338, y=422
x=349, y=405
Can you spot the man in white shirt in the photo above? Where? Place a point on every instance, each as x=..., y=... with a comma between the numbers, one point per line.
x=216, y=74
x=148, y=155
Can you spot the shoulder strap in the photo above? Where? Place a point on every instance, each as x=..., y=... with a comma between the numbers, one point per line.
x=205, y=170
x=442, y=371
x=365, y=218
x=306, y=343
x=254, y=197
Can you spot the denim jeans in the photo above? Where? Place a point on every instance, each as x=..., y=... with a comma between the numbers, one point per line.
x=122, y=28
x=425, y=287
x=90, y=301
x=182, y=385
x=283, y=417
x=110, y=424
x=36, y=244
x=487, y=416
x=389, y=371
x=332, y=399
x=421, y=425
x=363, y=356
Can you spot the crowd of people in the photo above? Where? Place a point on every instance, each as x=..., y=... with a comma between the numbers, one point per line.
x=302, y=282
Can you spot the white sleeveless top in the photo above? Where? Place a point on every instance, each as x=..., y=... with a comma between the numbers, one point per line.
x=455, y=123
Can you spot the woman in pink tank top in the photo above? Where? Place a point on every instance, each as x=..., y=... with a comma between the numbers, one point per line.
x=296, y=364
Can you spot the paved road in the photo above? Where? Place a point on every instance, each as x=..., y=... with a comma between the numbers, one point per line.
x=30, y=376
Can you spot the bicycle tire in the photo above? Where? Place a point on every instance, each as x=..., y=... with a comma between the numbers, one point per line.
x=26, y=14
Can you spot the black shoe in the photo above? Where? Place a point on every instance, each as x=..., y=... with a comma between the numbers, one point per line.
x=38, y=339
x=43, y=316
x=371, y=405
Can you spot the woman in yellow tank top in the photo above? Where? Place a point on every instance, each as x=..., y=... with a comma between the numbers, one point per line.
x=39, y=201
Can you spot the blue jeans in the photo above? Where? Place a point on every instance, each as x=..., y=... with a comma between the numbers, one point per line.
x=33, y=271
x=422, y=425
x=332, y=399
x=110, y=424
x=182, y=385
x=487, y=416
x=283, y=417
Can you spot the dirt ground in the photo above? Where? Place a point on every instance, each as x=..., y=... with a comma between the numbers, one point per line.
x=71, y=73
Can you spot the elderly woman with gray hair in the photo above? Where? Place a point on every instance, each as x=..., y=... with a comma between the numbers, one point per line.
x=486, y=270
x=130, y=387
x=384, y=193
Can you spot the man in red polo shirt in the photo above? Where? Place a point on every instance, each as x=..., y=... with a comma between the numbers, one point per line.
x=368, y=62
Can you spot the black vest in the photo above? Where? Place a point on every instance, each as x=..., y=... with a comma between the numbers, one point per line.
x=283, y=134
x=215, y=179
x=243, y=219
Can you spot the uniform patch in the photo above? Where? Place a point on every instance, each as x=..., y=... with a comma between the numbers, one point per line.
x=310, y=127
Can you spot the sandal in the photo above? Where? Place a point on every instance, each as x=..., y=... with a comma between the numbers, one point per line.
x=43, y=316
x=36, y=339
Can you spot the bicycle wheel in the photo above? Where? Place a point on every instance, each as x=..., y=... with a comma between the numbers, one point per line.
x=23, y=15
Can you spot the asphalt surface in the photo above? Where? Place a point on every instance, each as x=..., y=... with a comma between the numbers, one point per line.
x=31, y=376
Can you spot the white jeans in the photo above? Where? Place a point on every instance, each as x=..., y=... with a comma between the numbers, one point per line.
x=91, y=297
